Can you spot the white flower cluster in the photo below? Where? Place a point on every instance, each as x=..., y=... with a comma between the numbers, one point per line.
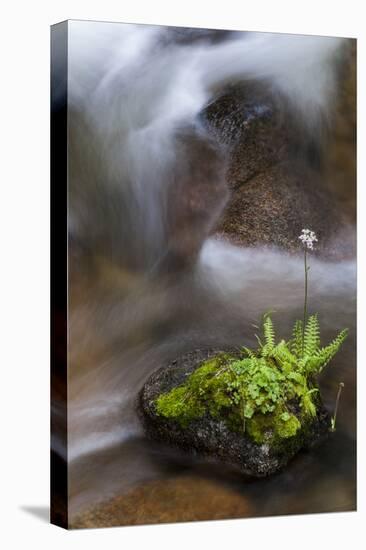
x=308, y=238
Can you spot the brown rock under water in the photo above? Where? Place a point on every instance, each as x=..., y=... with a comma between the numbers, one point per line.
x=178, y=499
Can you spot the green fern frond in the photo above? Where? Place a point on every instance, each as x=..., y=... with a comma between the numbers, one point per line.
x=250, y=353
x=260, y=343
x=269, y=334
x=296, y=341
x=316, y=363
x=302, y=364
x=297, y=377
x=307, y=403
x=327, y=353
x=283, y=355
x=311, y=336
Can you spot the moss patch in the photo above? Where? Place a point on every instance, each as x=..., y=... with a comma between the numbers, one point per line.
x=205, y=390
x=270, y=394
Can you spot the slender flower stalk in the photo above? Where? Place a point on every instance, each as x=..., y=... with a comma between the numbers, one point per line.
x=243, y=413
x=305, y=299
x=334, y=417
x=307, y=238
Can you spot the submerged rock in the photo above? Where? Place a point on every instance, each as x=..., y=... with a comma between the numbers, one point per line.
x=172, y=499
x=211, y=437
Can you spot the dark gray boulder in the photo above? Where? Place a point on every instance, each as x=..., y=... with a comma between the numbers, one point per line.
x=210, y=437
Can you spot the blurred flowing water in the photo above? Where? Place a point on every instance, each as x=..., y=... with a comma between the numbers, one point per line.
x=148, y=282
x=120, y=340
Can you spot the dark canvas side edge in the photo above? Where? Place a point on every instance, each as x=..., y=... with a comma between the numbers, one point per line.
x=59, y=472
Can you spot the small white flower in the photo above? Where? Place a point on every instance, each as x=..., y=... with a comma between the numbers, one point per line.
x=308, y=238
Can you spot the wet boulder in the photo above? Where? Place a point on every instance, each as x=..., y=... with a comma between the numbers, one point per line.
x=212, y=437
x=277, y=175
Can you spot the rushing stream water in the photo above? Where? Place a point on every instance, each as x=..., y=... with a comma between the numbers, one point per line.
x=133, y=93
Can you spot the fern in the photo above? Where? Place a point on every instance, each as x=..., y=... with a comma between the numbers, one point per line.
x=269, y=335
x=307, y=403
x=296, y=342
x=267, y=393
x=311, y=336
x=296, y=355
x=249, y=352
x=259, y=342
x=283, y=356
x=327, y=353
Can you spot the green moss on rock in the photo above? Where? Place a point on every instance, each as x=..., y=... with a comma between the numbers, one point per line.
x=274, y=427
x=250, y=395
x=258, y=444
x=179, y=405
x=203, y=391
x=270, y=394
